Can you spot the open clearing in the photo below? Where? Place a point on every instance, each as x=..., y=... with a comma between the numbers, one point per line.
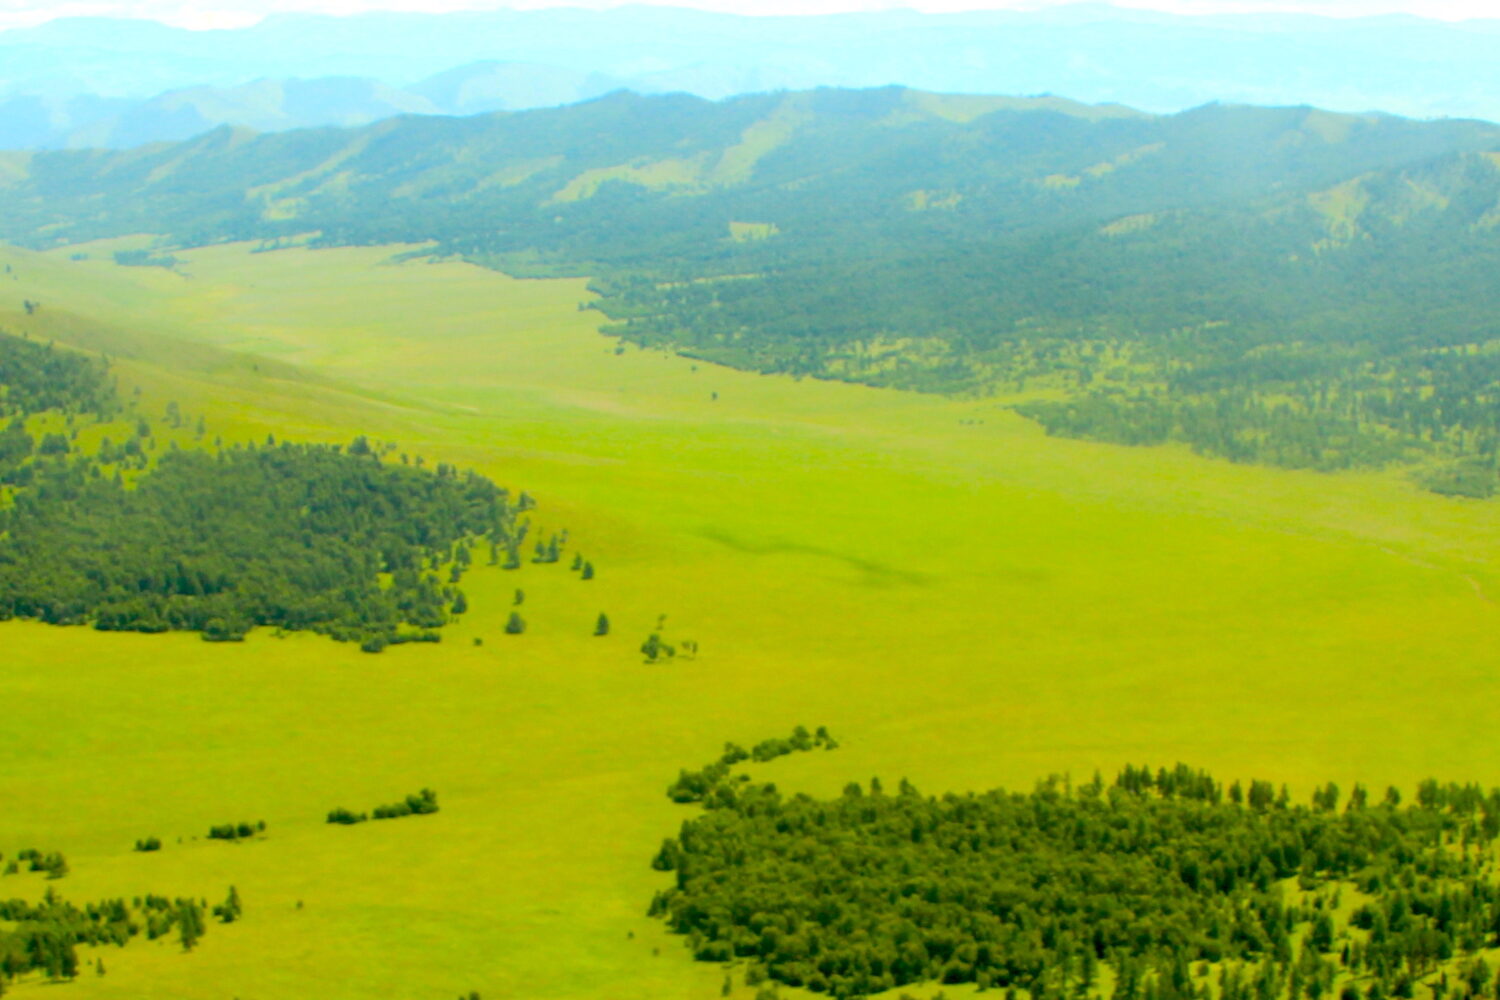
x=960, y=599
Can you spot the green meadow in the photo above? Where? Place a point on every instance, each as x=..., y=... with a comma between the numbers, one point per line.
x=961, y=599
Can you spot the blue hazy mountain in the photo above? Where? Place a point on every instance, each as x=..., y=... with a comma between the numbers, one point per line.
x=492, y=85
x=30, y=121
x=461, y=63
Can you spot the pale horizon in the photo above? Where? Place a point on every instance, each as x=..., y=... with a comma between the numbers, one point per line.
x=243, y=13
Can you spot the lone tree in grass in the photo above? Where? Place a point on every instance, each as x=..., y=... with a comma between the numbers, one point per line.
x=588, y=571
x=601, y=626
x=229, y=910
x=189, y=923
x=654, y=649
x=516, y=625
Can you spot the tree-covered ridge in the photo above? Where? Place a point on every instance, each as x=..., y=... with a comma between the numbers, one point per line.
x=1280, y=285
x=36, y=377
x=1039, y=892
x=654, y=182
x=295, y=536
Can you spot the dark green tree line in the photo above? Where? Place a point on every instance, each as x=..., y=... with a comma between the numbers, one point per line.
x=1150, y=875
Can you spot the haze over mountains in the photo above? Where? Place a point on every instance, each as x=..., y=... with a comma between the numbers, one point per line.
x=98, y=82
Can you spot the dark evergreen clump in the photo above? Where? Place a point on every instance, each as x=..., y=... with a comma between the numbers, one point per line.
x=422, y=803
x=147, y=844
x=291, y=536
x=345, y=817
x=1150, y=876
x=236, y=831
x=50, y=862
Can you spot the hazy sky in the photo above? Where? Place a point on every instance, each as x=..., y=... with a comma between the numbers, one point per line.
x=233, y=13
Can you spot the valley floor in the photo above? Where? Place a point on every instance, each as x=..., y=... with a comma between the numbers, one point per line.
x=960, y=599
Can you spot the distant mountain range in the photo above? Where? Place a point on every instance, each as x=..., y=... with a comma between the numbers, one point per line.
x=99, y=82
x=267, y=105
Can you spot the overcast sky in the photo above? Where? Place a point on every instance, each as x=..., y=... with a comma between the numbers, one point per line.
x=235, y=13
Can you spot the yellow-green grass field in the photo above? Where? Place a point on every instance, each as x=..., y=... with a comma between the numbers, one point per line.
x=962, y=600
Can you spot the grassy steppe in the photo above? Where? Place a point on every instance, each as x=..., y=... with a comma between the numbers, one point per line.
x=962, y=600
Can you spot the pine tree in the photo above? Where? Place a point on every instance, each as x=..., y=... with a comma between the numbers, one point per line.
x=601, y=626
x=69, y=961
x=229, y=910
x=516, y=625
x=588, y=571
x=189, y=923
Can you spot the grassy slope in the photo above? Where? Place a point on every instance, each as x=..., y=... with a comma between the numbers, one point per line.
x=965, y=603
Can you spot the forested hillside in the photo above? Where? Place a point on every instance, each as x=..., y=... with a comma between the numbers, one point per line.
x=124, y=535
x=1281, y=285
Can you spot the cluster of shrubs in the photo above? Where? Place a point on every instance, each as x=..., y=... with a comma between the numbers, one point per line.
x=378, y=643
x=236, y=831
x=229, y=911
x=148, y=844
x=163, y=916
x=44, y=936
x=345, y=817
x=656, y=648
x=51, y=862
x=421, y=803
x=697, y=786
